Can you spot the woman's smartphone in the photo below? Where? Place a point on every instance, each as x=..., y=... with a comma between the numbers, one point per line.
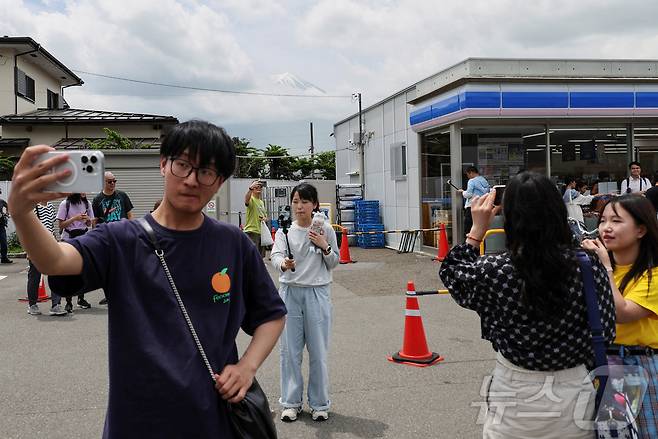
x=500, y=190
x=87, y=169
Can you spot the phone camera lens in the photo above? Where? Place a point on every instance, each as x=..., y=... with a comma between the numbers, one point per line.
x=93, y=159
x=84, y=159
x=90, y=169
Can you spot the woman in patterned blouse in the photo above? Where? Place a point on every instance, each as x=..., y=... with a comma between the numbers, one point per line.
x=531, y=303
x=629, y=250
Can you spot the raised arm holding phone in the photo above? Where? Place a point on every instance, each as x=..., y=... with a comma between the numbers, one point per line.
x=154, y=362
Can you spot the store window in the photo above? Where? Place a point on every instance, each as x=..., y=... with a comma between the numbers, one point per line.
x=500, y=153
x=435, y=194
x=646, y=149
x=592, y=154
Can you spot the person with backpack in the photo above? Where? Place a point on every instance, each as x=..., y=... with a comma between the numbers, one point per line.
x=75, y=217
x=635, y=183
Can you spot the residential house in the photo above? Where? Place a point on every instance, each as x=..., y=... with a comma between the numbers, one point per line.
x=33, y=111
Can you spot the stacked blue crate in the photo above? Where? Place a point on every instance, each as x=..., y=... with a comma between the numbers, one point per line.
x=366, y=215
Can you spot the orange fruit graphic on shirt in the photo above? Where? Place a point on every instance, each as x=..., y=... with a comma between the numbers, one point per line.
x=221, y=282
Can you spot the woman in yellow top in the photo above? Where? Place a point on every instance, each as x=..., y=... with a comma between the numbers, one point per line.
x=628, y=230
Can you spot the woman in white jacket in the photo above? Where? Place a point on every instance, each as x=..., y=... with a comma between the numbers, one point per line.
x=306, y=294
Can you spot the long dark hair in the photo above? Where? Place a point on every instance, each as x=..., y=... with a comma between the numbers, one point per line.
x=537, y=237
x=77, y=199
x=644, y=214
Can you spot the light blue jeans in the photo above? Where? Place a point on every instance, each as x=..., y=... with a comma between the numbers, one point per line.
x=308, y=322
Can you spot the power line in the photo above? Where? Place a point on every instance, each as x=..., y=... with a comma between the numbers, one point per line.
x=215, y=90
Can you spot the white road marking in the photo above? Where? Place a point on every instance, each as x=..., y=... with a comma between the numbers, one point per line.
x=2, y=277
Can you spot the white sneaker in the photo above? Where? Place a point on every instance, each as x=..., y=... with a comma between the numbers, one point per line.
x=33, y=310
x=57, y=310
x=319, y=415
x=290, y=414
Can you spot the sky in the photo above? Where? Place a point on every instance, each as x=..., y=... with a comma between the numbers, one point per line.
x=341, y=47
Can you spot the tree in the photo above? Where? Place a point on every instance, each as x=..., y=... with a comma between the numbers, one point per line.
x=283, y=167
x=7, y=167
x=304, y=167
x=325, y=162
x=249, y=165
x=114, y=140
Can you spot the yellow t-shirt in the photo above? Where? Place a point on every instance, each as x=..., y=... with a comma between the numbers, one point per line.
x=643, y=332
x=255, y=211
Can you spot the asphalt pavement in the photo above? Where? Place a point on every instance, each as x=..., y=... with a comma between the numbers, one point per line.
x=54, y=370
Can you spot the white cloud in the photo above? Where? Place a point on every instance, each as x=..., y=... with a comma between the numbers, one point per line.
x=376, y=47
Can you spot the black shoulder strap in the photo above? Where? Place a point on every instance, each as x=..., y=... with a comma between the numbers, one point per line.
x=68, y=204
x=150, y=232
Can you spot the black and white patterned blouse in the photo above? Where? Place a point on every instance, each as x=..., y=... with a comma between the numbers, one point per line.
x=490, y=286
x=46, y=215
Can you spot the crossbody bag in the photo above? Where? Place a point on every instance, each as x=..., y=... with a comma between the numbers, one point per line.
x=250, y=418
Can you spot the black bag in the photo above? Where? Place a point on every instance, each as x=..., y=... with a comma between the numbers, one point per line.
x=250, y=418
x=76, y=232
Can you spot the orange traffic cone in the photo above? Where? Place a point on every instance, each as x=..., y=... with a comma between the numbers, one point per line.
x=42, y=297
x=443, y=248
x=345, y=257
x=414, y=348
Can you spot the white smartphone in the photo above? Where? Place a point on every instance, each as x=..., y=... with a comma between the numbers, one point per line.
x=87, y=169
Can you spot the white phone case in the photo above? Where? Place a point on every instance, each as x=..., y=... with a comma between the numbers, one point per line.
x=87, y=171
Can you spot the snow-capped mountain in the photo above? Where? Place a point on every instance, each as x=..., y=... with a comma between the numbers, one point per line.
x=288, y=80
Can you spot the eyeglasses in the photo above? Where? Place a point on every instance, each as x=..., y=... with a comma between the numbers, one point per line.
x=182, y=169
x=111, y=181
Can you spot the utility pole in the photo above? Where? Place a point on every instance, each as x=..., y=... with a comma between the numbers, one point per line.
x=311, y=149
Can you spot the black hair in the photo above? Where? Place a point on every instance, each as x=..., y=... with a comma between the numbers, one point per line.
x=75, y=199
x=204, y=141
x=634, y=163
x=580, y=184
x=538, y=239
x=644, y=214
x=652, y=195
x=472, y=169
x=306, y=192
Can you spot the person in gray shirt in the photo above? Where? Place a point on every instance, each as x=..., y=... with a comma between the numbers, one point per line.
x=304, y=287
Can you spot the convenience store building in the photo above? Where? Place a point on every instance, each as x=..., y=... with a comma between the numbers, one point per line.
x=582, y=118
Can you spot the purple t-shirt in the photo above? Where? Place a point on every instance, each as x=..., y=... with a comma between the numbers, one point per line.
x=74, y=209
x=159, y=385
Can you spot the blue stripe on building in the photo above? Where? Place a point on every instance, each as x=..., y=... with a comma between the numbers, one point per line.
x=644, y=99
x=522, y=99
x=529, y=99
x=421, y=115
x=445, y=106
x=479, y=99
x=597, y=99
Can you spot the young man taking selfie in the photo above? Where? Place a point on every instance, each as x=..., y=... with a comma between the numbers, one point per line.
x=159, y=385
